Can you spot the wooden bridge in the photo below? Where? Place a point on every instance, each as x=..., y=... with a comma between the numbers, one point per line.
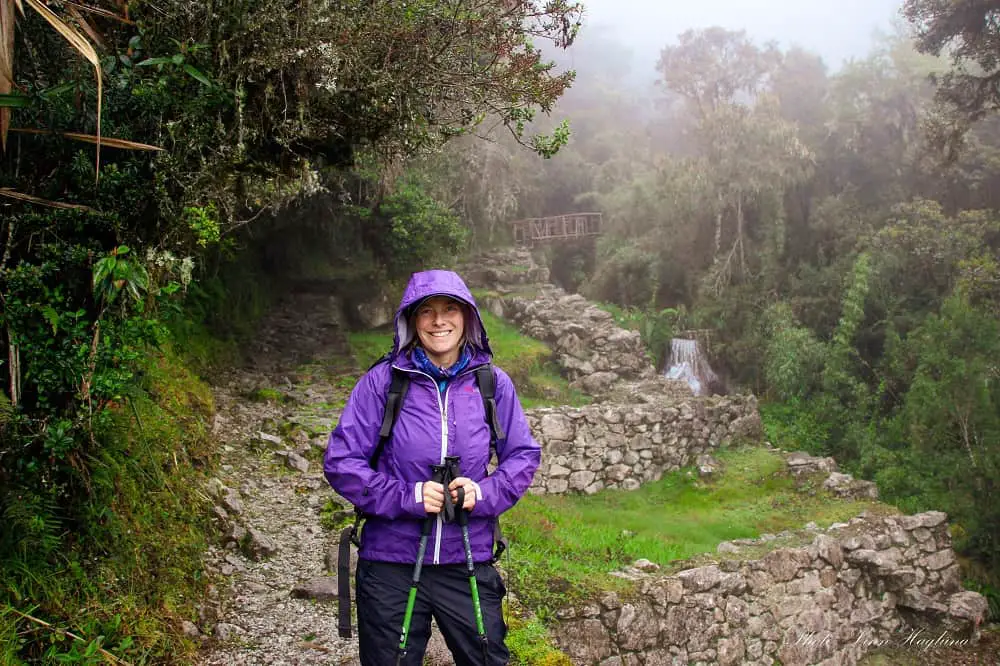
x=558, y=227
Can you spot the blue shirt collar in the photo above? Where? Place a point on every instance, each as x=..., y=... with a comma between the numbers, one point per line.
x=441, y=375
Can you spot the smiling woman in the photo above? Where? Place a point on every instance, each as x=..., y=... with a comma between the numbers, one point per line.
x=424, y=513
x=440, y=325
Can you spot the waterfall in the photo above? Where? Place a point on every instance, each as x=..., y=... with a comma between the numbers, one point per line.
x=689, y=364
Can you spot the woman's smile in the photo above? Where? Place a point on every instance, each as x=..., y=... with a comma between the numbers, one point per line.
x=440, y=323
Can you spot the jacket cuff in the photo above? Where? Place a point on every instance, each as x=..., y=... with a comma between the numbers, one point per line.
x=418, y=493
x=479, y=491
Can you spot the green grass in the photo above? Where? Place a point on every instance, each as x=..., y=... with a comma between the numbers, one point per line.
x=563, y=546
x=369, y=346
x=528, y=363
x=335, y=516
x=530, y=645
x=267, y=395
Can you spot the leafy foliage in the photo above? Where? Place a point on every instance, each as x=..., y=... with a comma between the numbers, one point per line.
x=967, y=31
x=416, y=229
x=222, y=114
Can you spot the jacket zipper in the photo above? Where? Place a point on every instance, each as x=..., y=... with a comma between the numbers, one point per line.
x=444, y=452
x=443, y=411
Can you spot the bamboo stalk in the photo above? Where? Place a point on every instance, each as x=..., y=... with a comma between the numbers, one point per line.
x=100, y=12
x=21, y=196
x=91, y=365
x=7, y=25
x=124, y=144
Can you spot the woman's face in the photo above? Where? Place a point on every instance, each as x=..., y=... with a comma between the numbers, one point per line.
x=440, y=323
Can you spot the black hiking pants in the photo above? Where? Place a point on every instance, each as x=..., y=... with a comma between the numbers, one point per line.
x=443, y=594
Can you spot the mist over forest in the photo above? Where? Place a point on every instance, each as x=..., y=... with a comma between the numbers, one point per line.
x=814, y=191
x=836, y=31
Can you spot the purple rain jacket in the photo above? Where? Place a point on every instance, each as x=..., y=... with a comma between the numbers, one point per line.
x=431, y=425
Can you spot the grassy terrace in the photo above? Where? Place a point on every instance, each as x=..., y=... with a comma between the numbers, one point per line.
x=565, y=545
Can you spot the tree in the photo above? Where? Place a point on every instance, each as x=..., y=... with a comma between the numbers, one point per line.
x=968, y=31
x=715, y=66
x=752, y=153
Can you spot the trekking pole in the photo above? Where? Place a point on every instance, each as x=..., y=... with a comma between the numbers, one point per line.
x=438, y=476
x=463, y=520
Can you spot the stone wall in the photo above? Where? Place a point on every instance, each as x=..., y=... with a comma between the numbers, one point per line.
x=594, y=353
x=592, y=350
x=877, y=581
x=623, y=445
x=503, y=269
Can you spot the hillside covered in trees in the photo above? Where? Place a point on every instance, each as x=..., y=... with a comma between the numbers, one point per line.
x=836, y=234
x=167, y=167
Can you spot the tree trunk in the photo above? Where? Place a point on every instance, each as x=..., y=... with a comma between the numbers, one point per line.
x=739, y=235
x=718, y=231
x=963, y=422
x=14, y=372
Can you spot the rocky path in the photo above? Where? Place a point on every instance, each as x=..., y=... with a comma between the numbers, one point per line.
x=270, y=493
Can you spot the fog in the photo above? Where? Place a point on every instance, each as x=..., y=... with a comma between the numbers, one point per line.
x=835, y=30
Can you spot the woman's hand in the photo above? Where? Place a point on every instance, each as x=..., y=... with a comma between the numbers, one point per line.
x=470, y=491
x=433, y=496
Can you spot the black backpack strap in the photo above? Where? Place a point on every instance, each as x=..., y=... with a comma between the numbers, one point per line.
x=488, y=389
x=393, y=403
x=487, y=381
x=499, y=541
x=398, y=387
x=344, y=580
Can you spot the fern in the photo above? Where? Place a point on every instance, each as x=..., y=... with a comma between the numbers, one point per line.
x=32, y=526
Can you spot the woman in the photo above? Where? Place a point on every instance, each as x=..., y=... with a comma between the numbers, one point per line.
x=440, y=341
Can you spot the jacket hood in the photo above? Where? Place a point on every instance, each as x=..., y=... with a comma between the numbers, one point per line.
x=425, y=284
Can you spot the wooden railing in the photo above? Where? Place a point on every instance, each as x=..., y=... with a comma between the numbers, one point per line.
x=558, y=227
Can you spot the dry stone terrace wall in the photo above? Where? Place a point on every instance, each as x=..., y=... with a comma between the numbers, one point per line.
x=592, y=350
x=504, y=268
x=877, y=581
x=595, y=354
x=612, y=445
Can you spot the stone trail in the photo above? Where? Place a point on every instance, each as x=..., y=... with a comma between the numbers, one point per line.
x=270, y=491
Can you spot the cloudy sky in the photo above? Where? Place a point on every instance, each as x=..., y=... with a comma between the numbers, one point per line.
x=836, y=29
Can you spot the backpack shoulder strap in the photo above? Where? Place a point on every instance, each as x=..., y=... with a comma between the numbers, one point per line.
x=393, y=403
x=487, y=381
